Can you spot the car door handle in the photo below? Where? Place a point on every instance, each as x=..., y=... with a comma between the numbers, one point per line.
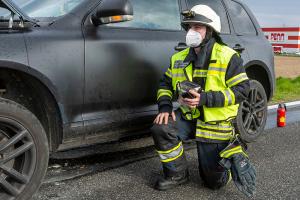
x=238, y=48
x=181, y=46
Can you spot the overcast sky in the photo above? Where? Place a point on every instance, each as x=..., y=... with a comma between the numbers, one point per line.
x=270, y=13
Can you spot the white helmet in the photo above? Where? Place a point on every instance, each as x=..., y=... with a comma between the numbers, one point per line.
x=202, y=14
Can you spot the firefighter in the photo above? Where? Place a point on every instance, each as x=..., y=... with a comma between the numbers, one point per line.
x=206, y=114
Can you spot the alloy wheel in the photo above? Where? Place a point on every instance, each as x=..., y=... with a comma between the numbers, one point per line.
x=17, y=158
x=253, y=111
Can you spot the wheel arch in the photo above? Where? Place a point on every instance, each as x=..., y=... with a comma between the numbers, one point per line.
x=259, y=71
x=34, y=84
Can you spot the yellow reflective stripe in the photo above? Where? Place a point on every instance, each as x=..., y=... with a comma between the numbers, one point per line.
x=232, y=96
x=225, y=98
x=217, y=68
x=200, y=73
x=215, y=127
x=173, y=149
x=235, y=150
x=178, y=73
x=237, y=79
x=218, y=65
x=169, y=73
x=172, y=154
x=172, y=159
x=218, y=126
x=229, y=98
x=213, y=135
x=164, y=92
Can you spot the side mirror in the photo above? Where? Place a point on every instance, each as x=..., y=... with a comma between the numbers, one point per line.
x=113, y=11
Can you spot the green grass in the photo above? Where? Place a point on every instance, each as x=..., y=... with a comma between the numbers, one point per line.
x=287, y=89
x=287, y=54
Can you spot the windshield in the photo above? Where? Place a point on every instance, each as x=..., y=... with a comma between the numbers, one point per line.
x=47, y=8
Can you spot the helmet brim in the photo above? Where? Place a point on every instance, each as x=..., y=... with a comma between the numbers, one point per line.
x=187, y=23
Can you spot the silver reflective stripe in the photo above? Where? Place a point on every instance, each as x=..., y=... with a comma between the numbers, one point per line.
x=214, y=125
x=200, y=73
x=229, y=97
x=213, y=136
x=180, y=64
x=244, y=76
x=217, y=69
x=173, y=154
x=178, y=75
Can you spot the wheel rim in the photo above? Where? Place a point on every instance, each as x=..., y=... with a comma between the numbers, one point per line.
x=17, y=158
x=253, y=112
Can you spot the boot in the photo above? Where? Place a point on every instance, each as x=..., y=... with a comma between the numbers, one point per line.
x=170, y=181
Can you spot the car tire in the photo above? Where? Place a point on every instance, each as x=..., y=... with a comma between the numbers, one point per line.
x=252, y=114
x=24, y=152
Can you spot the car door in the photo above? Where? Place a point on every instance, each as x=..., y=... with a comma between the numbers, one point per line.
x=227, y=33
x=124, y=62
x=243, y=24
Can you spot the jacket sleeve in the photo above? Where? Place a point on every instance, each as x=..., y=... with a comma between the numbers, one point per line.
x=165, y=93
x=238, y=87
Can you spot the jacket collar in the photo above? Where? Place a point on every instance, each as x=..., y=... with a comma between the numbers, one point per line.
x=202, y=59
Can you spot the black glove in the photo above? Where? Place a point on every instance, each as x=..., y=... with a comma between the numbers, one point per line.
x=243, y=172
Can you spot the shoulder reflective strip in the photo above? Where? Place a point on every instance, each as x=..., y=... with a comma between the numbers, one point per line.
x=174, y=158
x=217, y=69
x=237, y=79
x=213, y=135
x=173, y=149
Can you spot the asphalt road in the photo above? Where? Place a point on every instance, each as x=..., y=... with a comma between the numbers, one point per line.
x=275, y=155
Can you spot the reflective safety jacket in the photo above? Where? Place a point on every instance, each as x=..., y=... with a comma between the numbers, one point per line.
x=214, y=125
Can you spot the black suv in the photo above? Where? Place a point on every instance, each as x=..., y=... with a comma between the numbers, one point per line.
x=80, y=72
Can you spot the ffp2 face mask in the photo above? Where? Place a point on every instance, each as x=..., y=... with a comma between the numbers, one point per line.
x=193, y=38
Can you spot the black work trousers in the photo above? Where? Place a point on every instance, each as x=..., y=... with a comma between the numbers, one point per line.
x=168, y=142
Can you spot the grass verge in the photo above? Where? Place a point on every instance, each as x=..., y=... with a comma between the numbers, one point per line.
x=287, y=89
x=288, y=54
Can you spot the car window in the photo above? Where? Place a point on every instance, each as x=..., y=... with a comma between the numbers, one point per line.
x=153, y=14
x=218, y=7
x=47, y=8
x=241, y=21
x=4, y=14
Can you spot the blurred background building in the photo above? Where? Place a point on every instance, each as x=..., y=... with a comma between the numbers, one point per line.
x=284, y=39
